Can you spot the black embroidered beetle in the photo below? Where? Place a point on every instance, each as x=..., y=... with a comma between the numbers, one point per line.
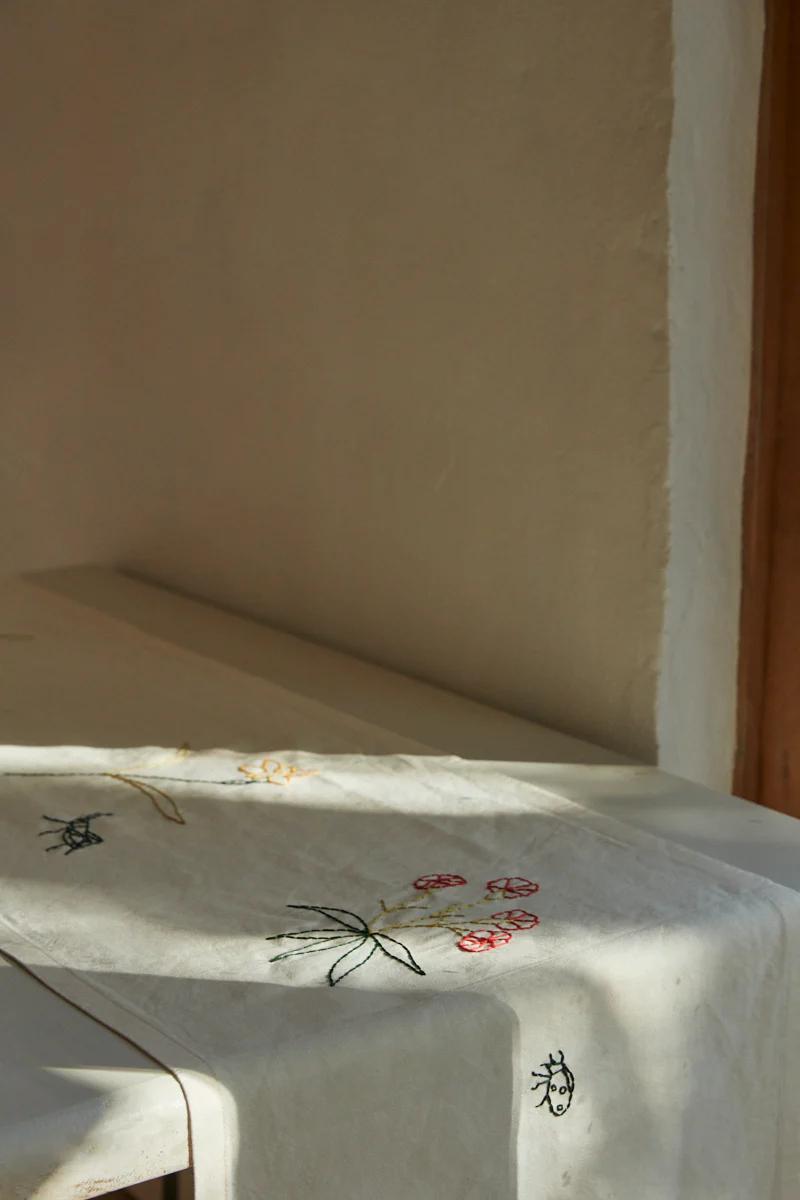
x=559, y=1082
x=75, y=834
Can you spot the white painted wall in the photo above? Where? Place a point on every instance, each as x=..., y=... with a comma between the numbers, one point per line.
x=718, y=47
x=353, y=317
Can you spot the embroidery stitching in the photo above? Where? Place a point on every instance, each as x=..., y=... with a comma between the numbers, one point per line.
x=512, y=886
x=362, y=943
x=427, y=883
x=75, y=833
x=362, y=939
x=559, y=1083
x=269, y=770
x=168, y=810
x=484, y=939
x=163, y=803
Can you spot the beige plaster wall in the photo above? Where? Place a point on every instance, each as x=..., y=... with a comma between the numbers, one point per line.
x=352, y=316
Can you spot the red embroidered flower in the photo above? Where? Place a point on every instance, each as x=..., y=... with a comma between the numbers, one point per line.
x=426, y=883
x=484, y=939
x=516, y=918
x=512, y=885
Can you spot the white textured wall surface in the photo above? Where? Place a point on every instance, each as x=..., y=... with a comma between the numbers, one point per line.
x=711, y=176
x=353, y=317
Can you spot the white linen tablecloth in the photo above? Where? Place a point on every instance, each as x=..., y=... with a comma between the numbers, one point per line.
x=397, y=977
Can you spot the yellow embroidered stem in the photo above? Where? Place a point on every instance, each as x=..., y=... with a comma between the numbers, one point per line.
x=435, y=920
x=169, y=810
x=420, y=925
x=422, y=900
x=404, y=905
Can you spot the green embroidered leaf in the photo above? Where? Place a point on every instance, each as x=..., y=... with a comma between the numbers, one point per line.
x=398, y=952
x=331, y=944
x=351, y=934
x=356, y=923
x=309, y=935
x=351, y=960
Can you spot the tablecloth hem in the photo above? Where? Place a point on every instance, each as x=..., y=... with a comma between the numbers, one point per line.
x=199, y=1087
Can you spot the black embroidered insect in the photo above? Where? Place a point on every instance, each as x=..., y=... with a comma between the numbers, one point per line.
x=559, y=1083
x=74, y=834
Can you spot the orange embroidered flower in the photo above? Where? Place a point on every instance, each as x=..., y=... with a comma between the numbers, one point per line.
x=427, y=883
x=512, y=885
x=515, y=918
x=269, y=770
x=484, y=939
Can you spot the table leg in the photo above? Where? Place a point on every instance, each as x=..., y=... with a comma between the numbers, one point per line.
x=170, y=1187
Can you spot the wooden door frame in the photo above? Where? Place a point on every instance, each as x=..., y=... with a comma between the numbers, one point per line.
x=777, y=173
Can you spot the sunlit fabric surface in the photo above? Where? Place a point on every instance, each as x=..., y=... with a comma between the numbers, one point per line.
x=397, y=977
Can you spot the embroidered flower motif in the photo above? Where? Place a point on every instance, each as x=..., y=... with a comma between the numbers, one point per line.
x=427, y=883
x=269, y=770
x=357, y=941
x=513, y=885
x=484, y=939
x=515, y=918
